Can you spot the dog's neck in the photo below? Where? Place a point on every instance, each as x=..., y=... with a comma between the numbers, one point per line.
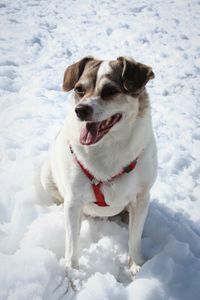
x=109, y=156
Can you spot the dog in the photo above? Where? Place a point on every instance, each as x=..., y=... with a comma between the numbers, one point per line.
x=104, y=159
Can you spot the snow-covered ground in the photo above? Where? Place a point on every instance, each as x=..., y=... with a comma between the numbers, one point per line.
x=38, y=40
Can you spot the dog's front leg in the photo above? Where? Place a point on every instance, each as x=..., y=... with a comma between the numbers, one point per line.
x=137, y=215
x=73, y=215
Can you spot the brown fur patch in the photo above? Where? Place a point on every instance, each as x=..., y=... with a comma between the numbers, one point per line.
x=74, y=72
x=142, y=94
x=89, y=75
x=109, y=90
x=135, y=75
x=87, y=80
x=116, y=75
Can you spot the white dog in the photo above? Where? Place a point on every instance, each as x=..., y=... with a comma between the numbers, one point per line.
x=104, y=159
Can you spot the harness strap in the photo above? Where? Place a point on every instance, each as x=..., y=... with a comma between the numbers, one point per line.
x=96, y=184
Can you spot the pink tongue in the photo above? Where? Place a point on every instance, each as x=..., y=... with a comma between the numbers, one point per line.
x=89, y=133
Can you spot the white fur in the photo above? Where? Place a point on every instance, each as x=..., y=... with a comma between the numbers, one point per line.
x=130, y=138
x=104, y=69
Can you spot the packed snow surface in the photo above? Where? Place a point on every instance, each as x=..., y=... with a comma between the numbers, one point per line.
x=38, y=40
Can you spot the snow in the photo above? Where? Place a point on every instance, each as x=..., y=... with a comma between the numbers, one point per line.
x=39, y=39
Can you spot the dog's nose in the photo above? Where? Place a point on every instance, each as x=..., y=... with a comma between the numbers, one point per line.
x=84, y=112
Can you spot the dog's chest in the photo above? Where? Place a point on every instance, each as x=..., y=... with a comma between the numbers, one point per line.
x=117, y=194
x=119, y=191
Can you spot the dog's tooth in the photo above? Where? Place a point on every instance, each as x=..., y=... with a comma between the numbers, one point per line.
x=109, y=120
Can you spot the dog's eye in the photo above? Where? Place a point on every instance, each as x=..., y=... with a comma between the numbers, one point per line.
x=108, y=91
x=79, y=91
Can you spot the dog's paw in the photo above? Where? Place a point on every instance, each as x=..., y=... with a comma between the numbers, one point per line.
x=136, y=264
x=134, y=269
x=72, y=275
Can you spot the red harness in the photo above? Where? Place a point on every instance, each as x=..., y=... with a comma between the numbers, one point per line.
x=96, y=184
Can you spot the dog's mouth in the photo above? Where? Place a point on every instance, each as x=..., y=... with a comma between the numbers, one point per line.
x=95, y=131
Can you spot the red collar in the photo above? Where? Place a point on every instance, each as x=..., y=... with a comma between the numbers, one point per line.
x=96, y=184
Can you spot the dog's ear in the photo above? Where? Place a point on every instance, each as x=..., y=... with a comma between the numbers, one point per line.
x=73, y=73
x=134, y=75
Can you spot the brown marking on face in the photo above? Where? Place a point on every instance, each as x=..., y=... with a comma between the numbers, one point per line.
x=126, y=76
x=116, y=74
x=87, y=81
x=113, y=84
x=109, y=90
x=74, y=72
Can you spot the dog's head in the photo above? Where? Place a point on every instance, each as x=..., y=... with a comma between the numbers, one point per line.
x=106, y=93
